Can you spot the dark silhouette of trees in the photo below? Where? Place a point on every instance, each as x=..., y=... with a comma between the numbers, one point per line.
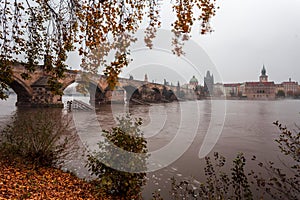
x=280, y=93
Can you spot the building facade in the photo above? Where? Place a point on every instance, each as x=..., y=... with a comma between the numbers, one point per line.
x=232, y=89
x=290, y=87
x=193, y=83
x=262, y=90
x=219, y=90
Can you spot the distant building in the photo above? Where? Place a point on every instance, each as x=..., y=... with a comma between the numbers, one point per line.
x=146, y=78
x=262, y=90
x=193, y=83
x=290, y=87
x=232, y=89
x=218, y=90
x=209, y=83
x=263, y=77
x=191, y=90
x=280, y=90
x=242, y=90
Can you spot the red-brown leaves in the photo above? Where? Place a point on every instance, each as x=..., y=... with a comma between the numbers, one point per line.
x=38, y=28
x=18, y=181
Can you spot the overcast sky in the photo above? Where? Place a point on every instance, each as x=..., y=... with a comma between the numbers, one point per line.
x=248, y=34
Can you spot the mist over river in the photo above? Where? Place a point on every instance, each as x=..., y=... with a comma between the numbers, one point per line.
x=248, y=127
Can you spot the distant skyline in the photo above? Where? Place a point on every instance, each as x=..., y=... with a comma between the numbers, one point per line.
x=247, y=35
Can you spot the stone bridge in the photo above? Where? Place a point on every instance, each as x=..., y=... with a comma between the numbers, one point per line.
x=36, y=92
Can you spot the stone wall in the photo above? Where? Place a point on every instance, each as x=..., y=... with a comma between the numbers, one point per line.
x=42, y=96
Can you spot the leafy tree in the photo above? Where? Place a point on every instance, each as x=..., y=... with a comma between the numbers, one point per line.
x=127, y=136
x=35, y=31
x=280, y=93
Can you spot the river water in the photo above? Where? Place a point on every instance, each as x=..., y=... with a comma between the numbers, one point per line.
x=176, y=131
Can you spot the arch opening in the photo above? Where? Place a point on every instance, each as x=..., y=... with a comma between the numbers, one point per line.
x=87, y=92
x=132, y=93
x=168, y=95
x=23, y=95
x=157, y=94
x=72, y=92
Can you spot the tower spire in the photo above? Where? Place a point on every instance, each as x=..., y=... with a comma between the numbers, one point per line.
x=263, y=77
x=263, y=71
x=146, y=78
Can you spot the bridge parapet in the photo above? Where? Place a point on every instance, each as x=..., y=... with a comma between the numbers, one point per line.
x=36, y=91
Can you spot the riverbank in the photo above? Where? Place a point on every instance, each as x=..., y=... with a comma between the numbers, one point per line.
x=22, y=181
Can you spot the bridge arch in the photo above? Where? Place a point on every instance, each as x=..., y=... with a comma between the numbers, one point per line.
x=97, y=94
x=23, y=91
x=67, y=84
x=168, y=94
x=132, y=92
x=157, y=94
x=160, y=93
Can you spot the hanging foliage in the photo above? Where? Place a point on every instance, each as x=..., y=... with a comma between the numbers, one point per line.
x=44, y=31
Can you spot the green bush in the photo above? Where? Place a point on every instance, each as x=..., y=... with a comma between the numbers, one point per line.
x=119, y=182
x=40, y=137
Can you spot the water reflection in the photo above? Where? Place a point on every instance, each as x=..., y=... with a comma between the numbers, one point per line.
x=42, y=137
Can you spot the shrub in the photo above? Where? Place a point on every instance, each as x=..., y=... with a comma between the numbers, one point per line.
x=282, y=183
x=274, y=182
x=40, y=137
x=218, y=184
x=119, y=182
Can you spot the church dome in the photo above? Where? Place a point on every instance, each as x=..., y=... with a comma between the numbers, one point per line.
x=194, y=80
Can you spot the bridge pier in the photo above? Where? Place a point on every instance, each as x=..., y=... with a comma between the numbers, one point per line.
x=106, y=97
x=23, y=100
x=42, y=96
x=41, y=101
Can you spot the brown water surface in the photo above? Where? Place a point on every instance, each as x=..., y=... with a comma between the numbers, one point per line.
x=247, y=128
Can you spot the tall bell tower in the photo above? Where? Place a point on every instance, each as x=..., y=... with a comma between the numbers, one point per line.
x=263, y=77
